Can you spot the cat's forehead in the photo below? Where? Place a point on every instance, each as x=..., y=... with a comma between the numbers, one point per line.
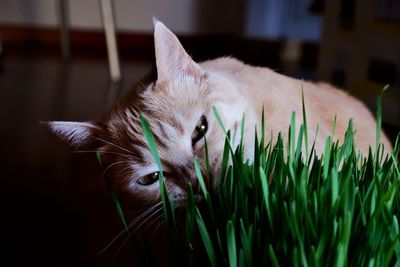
x=175, y=98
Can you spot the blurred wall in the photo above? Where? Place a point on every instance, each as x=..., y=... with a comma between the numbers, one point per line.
x=282, y=19
x=183, y=16
x=255, y=18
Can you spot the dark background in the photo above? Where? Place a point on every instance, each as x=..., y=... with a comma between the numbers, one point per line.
x=55, y=208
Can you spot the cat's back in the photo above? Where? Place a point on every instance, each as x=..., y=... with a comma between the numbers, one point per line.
x=249, y=78
x=280, y=95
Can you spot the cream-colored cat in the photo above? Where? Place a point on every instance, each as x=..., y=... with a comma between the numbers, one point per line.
x=178, y=105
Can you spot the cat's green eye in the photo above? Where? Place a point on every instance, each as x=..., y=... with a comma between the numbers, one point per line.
x=149, y=179
x=200, y=130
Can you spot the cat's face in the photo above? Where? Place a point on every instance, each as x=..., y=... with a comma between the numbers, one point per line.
x=178, y=107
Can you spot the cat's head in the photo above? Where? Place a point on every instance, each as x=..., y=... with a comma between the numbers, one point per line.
x=178, y=106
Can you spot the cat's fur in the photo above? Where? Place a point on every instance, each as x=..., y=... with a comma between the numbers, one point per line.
x=182, y=93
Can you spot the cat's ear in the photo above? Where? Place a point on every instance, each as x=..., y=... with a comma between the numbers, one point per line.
x=171, y=58
x=76, y=134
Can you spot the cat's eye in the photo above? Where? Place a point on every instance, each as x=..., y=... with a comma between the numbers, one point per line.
x=200, y=130
x=149, y=179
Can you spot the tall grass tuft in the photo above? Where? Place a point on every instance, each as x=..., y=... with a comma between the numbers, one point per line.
x=289, y=209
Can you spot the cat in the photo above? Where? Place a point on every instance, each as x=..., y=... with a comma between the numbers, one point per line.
x=179, y=107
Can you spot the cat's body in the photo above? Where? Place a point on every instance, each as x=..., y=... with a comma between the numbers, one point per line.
x=280, y=95
x=178, y=106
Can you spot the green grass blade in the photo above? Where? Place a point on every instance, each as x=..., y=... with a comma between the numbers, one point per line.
x=272, y=254
x=292, y=140
x=219, y=120
x=327, y=156
x=264, y=185
x=242, y=126
x=200, y=178
x=207, y=161
x=231, y=240
x=208, y=245
x=379, y=117
x=150, y=141
x=263, y=127
x=333, y=127
x=304, y=120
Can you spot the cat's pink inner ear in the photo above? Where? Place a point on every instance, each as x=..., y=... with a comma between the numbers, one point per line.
x=77, y=134
x=171, y=58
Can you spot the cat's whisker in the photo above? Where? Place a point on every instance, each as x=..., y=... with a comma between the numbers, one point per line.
x=118, y=251
x=124, y=231
x=153, y=214
x=155, y=220
x=156, y=228
x=125, y=172
x=158, y=221
x=129, y=236
x=145, y=213
x=140, y=83
x=138, y=211
x=102, y=151
x=178, y=202
x=116, y=163
x=113, y=241
x=148, y=218
x=117, y=146
x=145, y=218
x=134, y=231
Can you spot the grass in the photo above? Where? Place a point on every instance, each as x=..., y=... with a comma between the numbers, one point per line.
x=290, y=209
